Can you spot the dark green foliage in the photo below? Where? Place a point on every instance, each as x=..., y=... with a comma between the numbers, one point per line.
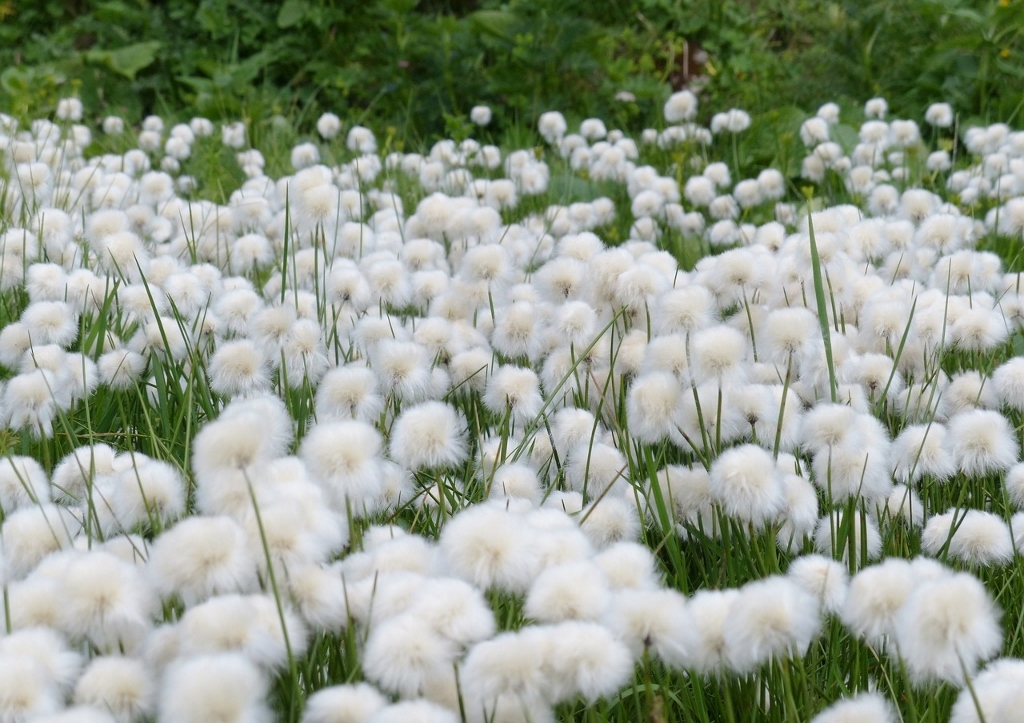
x=420, y=65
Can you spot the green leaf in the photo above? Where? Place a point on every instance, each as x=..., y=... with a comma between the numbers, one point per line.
x=14, y=81
x=845, y=135
x=495, y=23
x=292, y=13
x=126, y=61
x=401, y=7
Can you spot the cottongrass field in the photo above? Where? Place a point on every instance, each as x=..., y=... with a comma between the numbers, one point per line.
x=588, y=430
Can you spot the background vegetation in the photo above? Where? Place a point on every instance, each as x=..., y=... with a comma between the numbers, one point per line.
x=419, y=65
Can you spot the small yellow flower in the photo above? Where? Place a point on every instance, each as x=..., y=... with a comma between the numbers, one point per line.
x=1004, y=53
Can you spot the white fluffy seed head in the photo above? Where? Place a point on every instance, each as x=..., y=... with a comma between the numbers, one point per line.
x=983, y=442
x=343, y=457
x=108, y=601
x=516, y=390
x=124, y=686
x=717, y=354
x=431, y=435
x=973, y=537
x=920, y=450
x=46, y=647
x=25, y=690
x=657, y=621
x=516, y=480
x=946, y=628
x=238, y=368
x=352, y=703
x=33, y=532
x=23, y=482
x=875, y=597
x=745, y=483
x=772, y=618
x=489, y=547
x=224, y=687
x=862, y=707
x=402, y=655
x=1008, y=380
x=349, y=392
x=826, y=579
x=572, y=591
x=652, y=406
x=610, y=520
x=201, y=557
x=627, y=565
x=583, y=659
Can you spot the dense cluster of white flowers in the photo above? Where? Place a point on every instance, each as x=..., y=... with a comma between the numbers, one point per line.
x=500, y=374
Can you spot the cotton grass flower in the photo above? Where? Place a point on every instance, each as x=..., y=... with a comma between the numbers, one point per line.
x=517, y=332
x=681, y=106
x=711, y=613
x=225, y=687
x=824, y=578
x=583, y=659
x=552, y=126
x=32, y=399
x=860, y=708
x=348, y=392
x=571, y=591
x=904, y=504
x=653, y=621
x=401, y=655
x=23, y=482
x=975, y=537
x=33, y=532
x=428, y=435
x=772, y=618
x=983, y=442
x=352, y=703
x=858, y=467
x=994, y=694
x=516, y=391
x=343, y=458
x=25, y=691
x=50, y=322
x=920, y=450
x=57, y=663
x=504, y=671
x=454, y=609
x=251, y=624
x=875, y=597
x=487, y=546
x=402, y=369
x=592, y=469
x=108, y=602
x=239, y=368
x=802, y=510
x=610, y=520
x=652, y=406
x=147, y=492
x=124, y=686
x=201, y=557
x=939, y=115
x=1008, y=380
x=946, y=627
x=744, y=482
x=517, y=480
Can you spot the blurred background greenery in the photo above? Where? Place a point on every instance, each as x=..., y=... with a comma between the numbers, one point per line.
x=420, y=65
